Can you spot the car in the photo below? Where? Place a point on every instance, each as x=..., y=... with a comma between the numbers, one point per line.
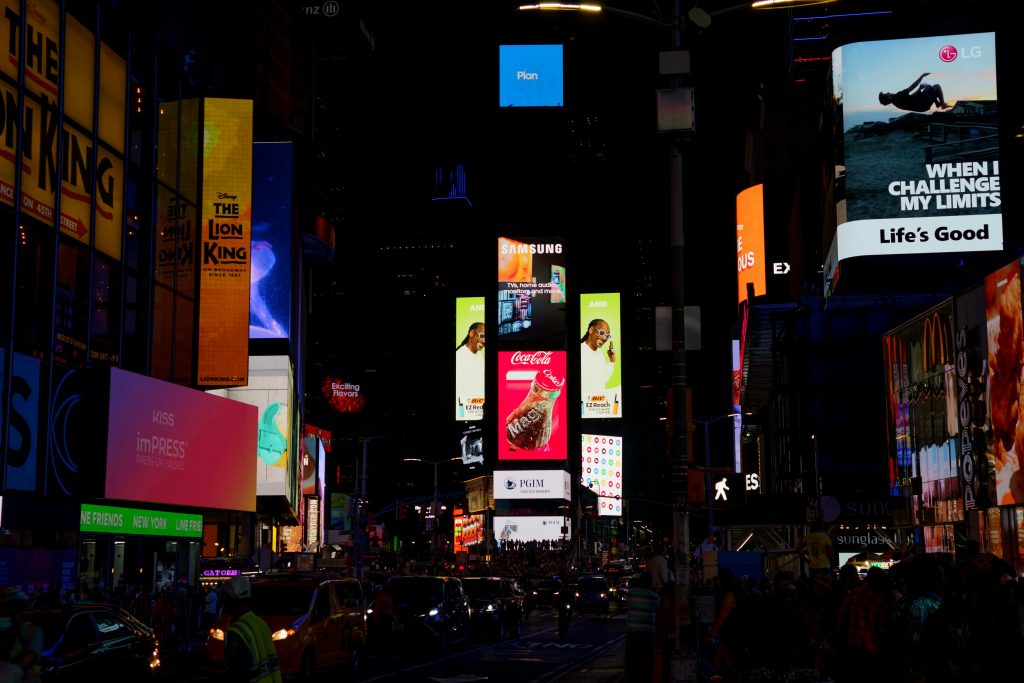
x=545, y=591
x=88, y=641
x=433, y=608
x=315, y=622
x=496, y=607
x=593, y=593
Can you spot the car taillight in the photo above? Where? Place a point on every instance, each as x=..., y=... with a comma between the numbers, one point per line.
x=217, y=633
x=282, y=633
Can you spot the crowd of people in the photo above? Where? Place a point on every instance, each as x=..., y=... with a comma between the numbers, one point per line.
x=922, y=621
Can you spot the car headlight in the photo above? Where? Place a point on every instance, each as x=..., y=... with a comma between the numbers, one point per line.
x=491, y=607
x=433, y=612
x=217, y=633
x=604, y=595
x=282, y=633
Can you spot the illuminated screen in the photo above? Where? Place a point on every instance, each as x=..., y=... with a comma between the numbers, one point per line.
x=907, y=181
x=474, y=530
x=750, y=255
x=472, y=446
x=1003, y=319
x=530, y=76
x=171, y=444
x=600, y=356
x=531, y=291
x=523, y=528
x=470, y=363
x=601, y=471
x=270, y=282
x=340, y=518
x=532, y=421
x=532, y=484
x=226, y=242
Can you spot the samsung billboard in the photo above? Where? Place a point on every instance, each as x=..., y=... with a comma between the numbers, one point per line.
x=917, y=151
x=530, y=76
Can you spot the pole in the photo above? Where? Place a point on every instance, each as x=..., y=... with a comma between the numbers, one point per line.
x=707, y=468
x=434, y=526
x=359, y=540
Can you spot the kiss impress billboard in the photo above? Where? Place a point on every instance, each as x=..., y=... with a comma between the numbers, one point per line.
x=908, y=181
x=531, y=291
x=600, y=356
x=531, y=411
x=470, y=361
x=175, y=445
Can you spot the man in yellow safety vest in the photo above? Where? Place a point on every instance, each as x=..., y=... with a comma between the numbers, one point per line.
x=249, y=653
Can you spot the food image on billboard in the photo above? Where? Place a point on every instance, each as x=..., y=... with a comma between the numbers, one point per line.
x=523, y=528
x=600, y=357
x=531, y=291
x=750, y=256
x=1004, y=325
x=474, y=528
x=532, y=421
x=601, y=471
x=917, y=156
x=470, y=361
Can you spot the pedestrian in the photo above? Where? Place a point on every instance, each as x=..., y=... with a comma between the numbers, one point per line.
x=211, y=608
x=249, y=654
x=21, y=642
x=641, y=614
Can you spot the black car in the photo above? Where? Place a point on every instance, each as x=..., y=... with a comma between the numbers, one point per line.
x=84, y=642
x=545, y=591
x=496, y=607
x=434, y=607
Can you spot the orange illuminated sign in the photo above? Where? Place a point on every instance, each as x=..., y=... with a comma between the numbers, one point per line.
x=225, y=236
x=40, y=172
x=750, y=256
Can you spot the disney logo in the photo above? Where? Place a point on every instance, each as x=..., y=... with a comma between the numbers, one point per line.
x=225, y=195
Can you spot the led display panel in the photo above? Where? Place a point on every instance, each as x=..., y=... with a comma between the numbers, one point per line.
x=750, y=256
x=270, y=281
x=600, y=356
x=531, y=485
x=601, y=471
x=539, y=528
x=171, y=444
x=1003, y=325
x=911, y=178
x=470, y=358
x=530, y=76
x=532, y=421
x=226, y=242
x=531, y=291
x=473, y=531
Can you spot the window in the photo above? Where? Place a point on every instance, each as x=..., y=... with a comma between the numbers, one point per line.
x=322, y=606
x=348, y=594
x=110, y=627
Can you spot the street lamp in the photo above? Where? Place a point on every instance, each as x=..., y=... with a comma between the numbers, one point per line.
x=706, y=423
x=358, y=547
x=436, y=464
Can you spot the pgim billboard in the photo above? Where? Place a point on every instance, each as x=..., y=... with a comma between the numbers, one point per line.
x=600, y=357
x=470, y=361
x=917, y=148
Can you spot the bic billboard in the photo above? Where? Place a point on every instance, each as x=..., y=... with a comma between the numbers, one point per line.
x=470, y=374
x=917, y=163
x=600, y=357
x=40, y=171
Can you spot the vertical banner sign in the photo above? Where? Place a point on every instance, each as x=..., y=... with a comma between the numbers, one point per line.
x=917, y=163
x=601, y=471
x=40, y=175
x=1004, y=327
x=531, y=411
x=226, y=223
x=750, y=256
x=470, y=340
x=177, y=240
x=270, y=288
x=23, y=438
x=600, y=357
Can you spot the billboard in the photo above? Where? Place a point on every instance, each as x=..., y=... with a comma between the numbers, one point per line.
x=531, y=291
x=522, y=528
x=530, y=76
x=120, y=520
x=750, y=256
x=470, y=363
x=600, y=357
x=271, y=390
x=171, y=444
x=473, y=531
x=225, y=221
x=601, y=470
x=270, y=281
x=79, y=183
x=532, y=421
x=26, y=433
x=917, y=154
x=532, y=484
x=471, y=446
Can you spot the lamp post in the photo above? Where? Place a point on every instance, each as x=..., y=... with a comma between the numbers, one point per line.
x=433, y=540
x=359, y=545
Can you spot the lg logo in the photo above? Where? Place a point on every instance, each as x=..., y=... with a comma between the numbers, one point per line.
x=950, y=53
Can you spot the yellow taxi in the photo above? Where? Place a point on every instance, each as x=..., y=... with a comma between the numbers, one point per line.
x=315, y=623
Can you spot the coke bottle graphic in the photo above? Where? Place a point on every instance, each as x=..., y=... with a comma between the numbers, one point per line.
x=528, y=427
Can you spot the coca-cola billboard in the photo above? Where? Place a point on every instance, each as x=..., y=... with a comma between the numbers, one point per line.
x=532, y=420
